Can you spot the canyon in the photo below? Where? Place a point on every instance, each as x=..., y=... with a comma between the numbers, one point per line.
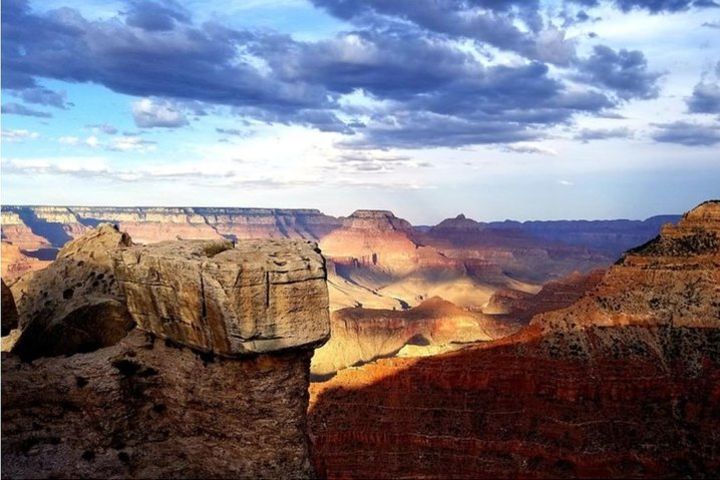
x=623, y=383
x=383, y=273
x=187, y=353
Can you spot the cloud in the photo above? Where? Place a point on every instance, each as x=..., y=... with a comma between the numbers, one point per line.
x=156, y=15
x=529, y=148
x=422, y=66
x=688, y=134
x=233, y=131
x=652, y=6
x=586, y=135
x=69, y=140
x=488, y=21
x=103, y=127
x=624, y=72
x=12, y=108
x=150, y=113
x=44, y=96
x=10, y=135
x=128, y=143
x=566, y=183
x=705, y=98
x=711, y=24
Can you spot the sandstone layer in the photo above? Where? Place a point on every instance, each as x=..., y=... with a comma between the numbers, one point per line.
x=623, y=383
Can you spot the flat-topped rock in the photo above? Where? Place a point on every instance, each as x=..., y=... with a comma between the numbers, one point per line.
x=255, y=297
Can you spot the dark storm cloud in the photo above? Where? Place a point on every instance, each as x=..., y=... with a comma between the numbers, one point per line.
x=183, y=63
x=13, y=108
x=689, y=134
x=652, y=6
x=488, y=21
x=156, y=15
x=624, y=72
x=424, y=89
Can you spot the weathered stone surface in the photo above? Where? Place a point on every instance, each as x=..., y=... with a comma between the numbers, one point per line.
x=146, y=409
x=75, y=304
x=259, y=296
x=9, y=310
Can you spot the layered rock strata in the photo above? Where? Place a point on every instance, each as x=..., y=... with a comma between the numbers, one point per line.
x=623, y=383
x=360, y=335
x=212, y=384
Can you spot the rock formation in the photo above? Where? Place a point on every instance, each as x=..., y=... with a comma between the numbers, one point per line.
x=213, y=383
x=554, y=295
x=9, y=310
x=623, y=383
x=261, y=296
x=359, y=335
x=75, y=304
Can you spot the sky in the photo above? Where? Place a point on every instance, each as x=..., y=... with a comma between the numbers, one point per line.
x=521, y=109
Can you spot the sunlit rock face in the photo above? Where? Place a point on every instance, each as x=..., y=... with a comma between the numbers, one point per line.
x=213, y=383
x=623, y=383
x=255, y=297
x=359, y=335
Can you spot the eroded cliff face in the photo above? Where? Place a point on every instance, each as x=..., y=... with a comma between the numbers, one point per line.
x=623, y=383
x=213, y=383
x=359, y=335
x=378, y=260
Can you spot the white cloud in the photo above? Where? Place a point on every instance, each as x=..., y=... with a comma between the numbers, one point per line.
x=10, y=135
x=150, y=113
x=69, y=140
x=92, y=141
x=131, y=143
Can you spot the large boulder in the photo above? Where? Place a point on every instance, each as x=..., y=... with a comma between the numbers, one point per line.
x=258, y=296
x=75, y=304
x=9, y=310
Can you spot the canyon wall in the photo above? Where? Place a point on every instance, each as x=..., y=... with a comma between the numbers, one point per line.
x=212, y=383
x=623, y=383
x=377, y=260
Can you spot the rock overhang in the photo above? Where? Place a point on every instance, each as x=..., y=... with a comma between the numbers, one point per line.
x=252, y=297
